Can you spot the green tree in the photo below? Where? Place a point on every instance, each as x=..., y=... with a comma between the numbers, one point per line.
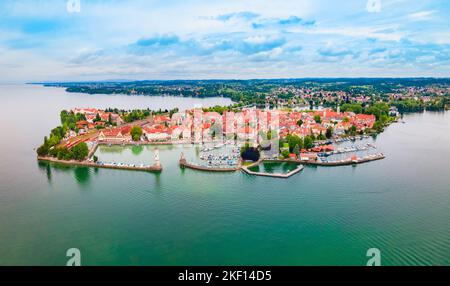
x=42, y=150
x=355, y=107
x=317, y=118
x=308, y=142
x=300, y=122
x=296, y=150
x=377, y=126
x=285, y=154
x=294, y=140
x=80, y=151
x=136, y=133
x=97, y=118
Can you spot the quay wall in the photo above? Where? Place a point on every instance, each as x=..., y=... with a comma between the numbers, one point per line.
x=95, y=165
x=346, y=162
x=184, y=163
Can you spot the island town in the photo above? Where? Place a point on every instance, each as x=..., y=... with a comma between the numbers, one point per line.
x=229, y=141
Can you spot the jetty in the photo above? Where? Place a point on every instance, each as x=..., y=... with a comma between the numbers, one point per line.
x=156, y=167
x=349, y=161
x=153, y=168
x=185, y=164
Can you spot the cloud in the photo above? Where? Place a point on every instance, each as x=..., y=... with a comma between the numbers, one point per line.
x=202, y=38
x=335, y=53
x=245, y=15
x=164, y=40
x=294, y=20
x=282, y=22
x=377, y=51
x=236, y=43
x=422, y=15
x=382, y=33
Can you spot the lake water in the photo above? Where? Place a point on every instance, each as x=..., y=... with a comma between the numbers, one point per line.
x=321, y=216
x=274, y=167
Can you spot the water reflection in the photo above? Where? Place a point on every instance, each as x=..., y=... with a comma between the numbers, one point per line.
x=113, y=149
x=82, y=175
x=45, y=168
x=137, y=149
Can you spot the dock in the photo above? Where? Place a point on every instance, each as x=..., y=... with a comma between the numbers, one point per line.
x=348, y=161
x=185, y=164
x=154, y=168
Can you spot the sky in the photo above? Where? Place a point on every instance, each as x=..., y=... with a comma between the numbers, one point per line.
x=77, y=40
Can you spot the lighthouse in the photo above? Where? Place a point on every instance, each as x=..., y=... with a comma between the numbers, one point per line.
x=157, y=162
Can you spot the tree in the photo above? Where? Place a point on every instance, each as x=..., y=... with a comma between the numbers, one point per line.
x=97, y=118
x=300, y=122
x=384, y=118
x=355, y=108
x=317, y=118
x=250, y=153
x=42, y=150
x=345, y=119
x=285, y=154
x=80, y=151
x=329, y=133
x=377, y=126
x=308, y=142
x=294, y=140
x=54, y=140
x=297, y=150
x=64, y=154
x=95, y=158
x=136, y=133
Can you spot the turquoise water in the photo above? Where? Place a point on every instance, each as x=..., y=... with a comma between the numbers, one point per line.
x=321, y=216
x=274, y=167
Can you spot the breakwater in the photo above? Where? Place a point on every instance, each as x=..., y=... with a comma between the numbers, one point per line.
x=346, y=162
x=154, y=168
x=185, y=164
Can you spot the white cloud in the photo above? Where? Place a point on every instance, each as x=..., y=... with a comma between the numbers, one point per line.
x=96, y=40
x=421, y=16
x=379, y=33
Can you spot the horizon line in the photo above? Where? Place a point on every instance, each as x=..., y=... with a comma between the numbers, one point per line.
x=225, y=79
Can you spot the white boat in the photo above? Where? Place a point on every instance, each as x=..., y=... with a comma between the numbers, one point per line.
x=219, y=145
